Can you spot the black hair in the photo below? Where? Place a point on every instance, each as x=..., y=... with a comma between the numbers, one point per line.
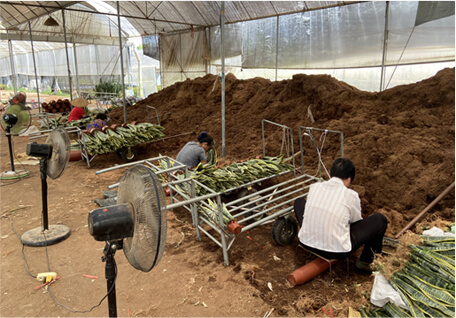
x=204, y=137
x=101, y=116
x=343, y=168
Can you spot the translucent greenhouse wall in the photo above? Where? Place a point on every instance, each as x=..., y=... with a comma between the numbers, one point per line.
x=346, y=42
x=92, y=64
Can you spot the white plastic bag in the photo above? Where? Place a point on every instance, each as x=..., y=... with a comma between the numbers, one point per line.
x=435, y=231
x=383, y=292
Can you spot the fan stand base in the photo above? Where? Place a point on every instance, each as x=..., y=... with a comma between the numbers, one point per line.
x=55, y=234
x=10, y=175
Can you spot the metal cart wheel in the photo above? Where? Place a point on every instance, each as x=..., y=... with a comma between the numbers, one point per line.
x=128, y=154
x=284, y=230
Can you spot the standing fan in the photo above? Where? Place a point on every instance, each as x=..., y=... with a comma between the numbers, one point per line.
x=14, y=120
x=137, y=224
x=54, y=154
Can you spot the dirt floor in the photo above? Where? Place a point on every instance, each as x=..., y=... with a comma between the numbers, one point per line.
x=401, y=142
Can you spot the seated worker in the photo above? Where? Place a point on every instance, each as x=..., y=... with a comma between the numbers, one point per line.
x=78, y=108
x=99, y=121
x=195, y=152
x=332, y=225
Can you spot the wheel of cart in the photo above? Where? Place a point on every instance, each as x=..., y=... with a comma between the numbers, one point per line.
x=284, y=230
x=128, y=154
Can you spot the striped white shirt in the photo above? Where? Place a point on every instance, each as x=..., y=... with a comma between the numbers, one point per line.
x=330, y=208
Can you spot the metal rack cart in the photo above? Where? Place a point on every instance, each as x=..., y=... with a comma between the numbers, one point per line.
x=270, y=203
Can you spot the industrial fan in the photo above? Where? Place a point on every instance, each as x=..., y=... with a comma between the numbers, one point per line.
x=54, y=156
x=137, y=224
x=15, y=119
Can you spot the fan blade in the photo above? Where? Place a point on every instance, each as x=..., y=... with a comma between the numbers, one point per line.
x=60, y=142
x=24, y=119
x=140, y=187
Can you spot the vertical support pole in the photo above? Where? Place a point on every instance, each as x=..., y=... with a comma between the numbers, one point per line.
x=301, y=149
x=262, y=138
x=75, y=61
x=44, y=193
x=97, y=59
x=162, y=72
x=277, y=48
x=385, y=42
x=67, y=55
x=10, y=146
x=181, y=64
x=341, y=144
x=140, y=83
x=292, y=151
x=208, y=62
x=110, y=274
x=13, y=66
x=222, y=234
x=121, y=63
x=222, y=32
x=34, y=66
x=194, y=209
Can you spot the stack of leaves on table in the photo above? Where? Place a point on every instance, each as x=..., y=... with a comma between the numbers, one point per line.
x=112, y=138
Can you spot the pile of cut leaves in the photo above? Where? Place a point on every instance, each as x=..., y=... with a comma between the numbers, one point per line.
x=210, y=210
x=112, y=138
x=221, y=179
x=426, y=283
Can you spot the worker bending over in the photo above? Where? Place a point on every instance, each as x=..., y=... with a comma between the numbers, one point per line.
x=332, y=225
x=195, y=152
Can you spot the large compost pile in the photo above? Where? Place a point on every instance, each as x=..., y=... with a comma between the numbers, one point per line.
x=400, y=140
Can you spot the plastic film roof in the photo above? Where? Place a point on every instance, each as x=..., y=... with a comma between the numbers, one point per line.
x=95, y=22
x=169, y=16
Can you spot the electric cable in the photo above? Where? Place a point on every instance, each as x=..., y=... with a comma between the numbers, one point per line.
x=95, y=306
x=48, y=265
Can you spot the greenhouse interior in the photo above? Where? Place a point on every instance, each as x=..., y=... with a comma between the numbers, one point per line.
x=370, y=45
x=197, y=158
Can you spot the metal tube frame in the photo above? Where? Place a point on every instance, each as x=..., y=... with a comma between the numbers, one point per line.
x=280, y=197
x=285, y=128
x=13, y=66
x=309, y=134
x=34, y=67
x=222, y=39
x=121, y=62
x=156, y=114
x=192, y=202
x=67, y=55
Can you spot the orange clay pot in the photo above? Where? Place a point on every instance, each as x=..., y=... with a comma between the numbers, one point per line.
x=75, y=155
x=234, y=227
x=309, y=271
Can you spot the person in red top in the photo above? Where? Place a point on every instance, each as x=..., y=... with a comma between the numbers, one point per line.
x=78, y=108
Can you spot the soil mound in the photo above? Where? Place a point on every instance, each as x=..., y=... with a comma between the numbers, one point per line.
x=400, y=140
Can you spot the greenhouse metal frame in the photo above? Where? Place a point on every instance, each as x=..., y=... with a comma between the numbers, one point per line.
x=372, y=45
